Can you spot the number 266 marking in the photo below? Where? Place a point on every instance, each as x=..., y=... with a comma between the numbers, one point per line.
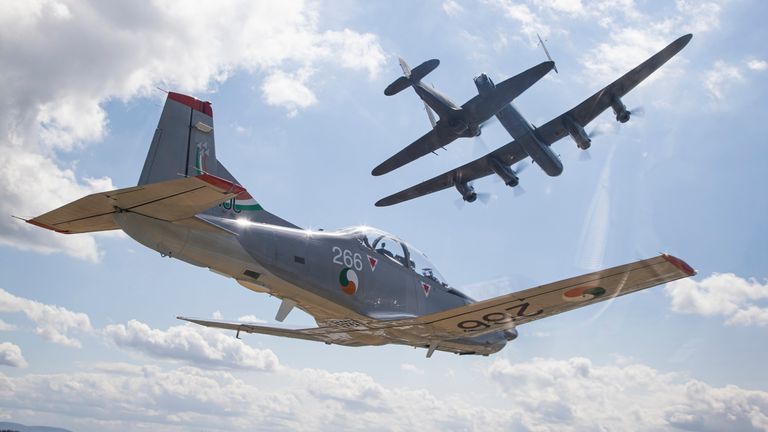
x=346, y=258
x=493, y=318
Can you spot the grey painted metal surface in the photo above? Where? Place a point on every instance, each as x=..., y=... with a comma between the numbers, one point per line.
x=534, y=142
x=363, y=286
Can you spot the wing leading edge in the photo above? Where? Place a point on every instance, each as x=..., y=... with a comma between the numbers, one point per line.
x=499, y=313
x=548, y=133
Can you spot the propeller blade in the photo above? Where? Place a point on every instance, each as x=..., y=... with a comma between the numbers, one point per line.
x=584, y=155
x=484, y=197
x=518, y=191
x=604, y=128
x=638, y=111
x=522, y=166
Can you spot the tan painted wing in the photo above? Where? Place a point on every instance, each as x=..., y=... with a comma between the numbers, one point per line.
x=525, y=306
x=500, y=313
x=169, y=200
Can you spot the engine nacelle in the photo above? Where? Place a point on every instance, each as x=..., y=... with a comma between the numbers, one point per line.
x=505, y=172
x=484, y=85
x=510, y=334
x=621, y=111
x=467, y=192
x=578, y=133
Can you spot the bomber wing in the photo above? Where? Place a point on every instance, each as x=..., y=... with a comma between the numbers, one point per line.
x=548, y=133
x=429, y=142
x=478, y=109
x=483, y=107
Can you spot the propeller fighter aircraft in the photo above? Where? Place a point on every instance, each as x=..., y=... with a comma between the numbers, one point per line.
x=454, y=121
x=535, y=142
x=362, y=286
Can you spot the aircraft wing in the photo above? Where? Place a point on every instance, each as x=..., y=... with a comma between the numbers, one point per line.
x=484, y=107
x=593, y=106
x=429, y=142
x=255, y=328
x=169, y=200
x=509, y=154
x=525, y=306
x=548, y=133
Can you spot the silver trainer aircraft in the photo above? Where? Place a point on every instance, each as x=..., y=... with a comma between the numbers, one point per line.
x=362, y=285
x=535, y=142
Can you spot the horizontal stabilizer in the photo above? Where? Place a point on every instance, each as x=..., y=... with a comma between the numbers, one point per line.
x=169, y=200
x=397, y=86
x=411, y=76
x=422, y=70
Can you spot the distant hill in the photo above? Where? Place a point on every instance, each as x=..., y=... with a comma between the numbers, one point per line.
x=8, y=426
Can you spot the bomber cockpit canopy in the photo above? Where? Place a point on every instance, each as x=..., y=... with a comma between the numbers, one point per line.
x=396, y=250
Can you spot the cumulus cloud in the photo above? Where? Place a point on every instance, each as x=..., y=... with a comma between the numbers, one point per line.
x=574, y=394
x=541, y=394
x=757, y=65
x=529, y=22
x=53, y=322
x=720, y=77
x=725, y=295
x=251, y=319
x=191, y=343
x=10, y=355
x=452, y=8
x=63, y=60
x=408, y=367
x=4, y=326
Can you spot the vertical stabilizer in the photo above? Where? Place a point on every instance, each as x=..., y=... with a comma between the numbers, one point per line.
x=184, y=146
x=183, y=140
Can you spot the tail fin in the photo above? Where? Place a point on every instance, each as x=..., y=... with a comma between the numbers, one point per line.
x=405, y=67
x=184, y=146
x=410, y=76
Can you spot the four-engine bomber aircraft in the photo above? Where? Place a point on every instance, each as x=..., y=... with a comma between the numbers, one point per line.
x=535, y=142
x=362, y=286
x=454, y=121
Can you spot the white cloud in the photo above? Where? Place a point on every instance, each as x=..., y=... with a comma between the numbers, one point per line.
x=196, y=344
x=574, y=394
x=529, y=22
x=289, y=91
x=757, y=65
x=251, y=319
x=408, y=367
x=724, y=295
x=62, y=61
x=541, y=394
x=452, y=8
x=53, y=322
x=720, y=77
x=10, y=355
x=4, y=326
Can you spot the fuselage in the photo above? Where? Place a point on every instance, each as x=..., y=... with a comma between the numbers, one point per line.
x=339, y=277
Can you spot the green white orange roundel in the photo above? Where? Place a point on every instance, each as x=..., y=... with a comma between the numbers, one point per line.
x=348, y=280
x=583, y=293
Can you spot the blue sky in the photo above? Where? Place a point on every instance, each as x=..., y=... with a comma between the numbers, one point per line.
x=88, y=338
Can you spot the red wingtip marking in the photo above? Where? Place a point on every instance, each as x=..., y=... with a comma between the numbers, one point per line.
x=198, y=105
x=680, y=264
x=222, y=183
x=46, y=226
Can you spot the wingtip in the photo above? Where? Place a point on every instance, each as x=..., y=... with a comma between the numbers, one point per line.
x=680, y=264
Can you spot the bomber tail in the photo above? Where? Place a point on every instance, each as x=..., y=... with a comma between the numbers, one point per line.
x=184, y=146
x=410, y=76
